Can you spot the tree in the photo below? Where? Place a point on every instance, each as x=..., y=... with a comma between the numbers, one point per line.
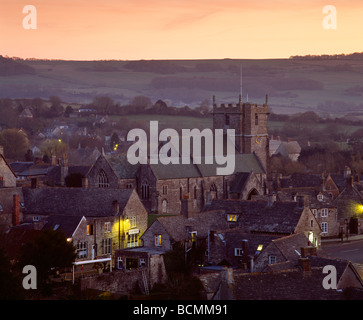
x=15, y=143
x=53, y=147
x=141, y=102
x=48, y=251
x=103, y=104
x=68, y=111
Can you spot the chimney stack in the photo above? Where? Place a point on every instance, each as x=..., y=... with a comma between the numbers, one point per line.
x=305, y=264
x=16, y=210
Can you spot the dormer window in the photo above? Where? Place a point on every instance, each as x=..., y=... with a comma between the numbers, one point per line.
x=231, y=217
x=320, y=197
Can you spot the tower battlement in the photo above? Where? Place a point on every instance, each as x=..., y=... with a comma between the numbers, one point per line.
x=239, y=107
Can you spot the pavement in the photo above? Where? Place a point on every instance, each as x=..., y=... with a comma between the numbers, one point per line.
x=353, y=237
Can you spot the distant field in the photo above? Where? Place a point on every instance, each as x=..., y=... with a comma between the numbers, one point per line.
x=292, y=85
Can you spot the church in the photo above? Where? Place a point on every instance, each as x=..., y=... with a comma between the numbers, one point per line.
x=162, y=188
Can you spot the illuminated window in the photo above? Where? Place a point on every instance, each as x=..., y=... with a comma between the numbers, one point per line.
x=259, y=248
x=238, y=252
x=102, y=180
x=193, y=234
x=324, y=212
x=107, y=227
x=90, y=229
x=231, y=217
x=132, y=240
x=158, y=240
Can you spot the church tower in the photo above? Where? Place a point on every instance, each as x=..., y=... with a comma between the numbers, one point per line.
x=250, y=122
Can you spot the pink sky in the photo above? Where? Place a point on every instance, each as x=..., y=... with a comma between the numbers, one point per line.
x=179, y=29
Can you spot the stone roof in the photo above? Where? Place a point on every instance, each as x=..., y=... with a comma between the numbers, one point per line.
x=122, y=167
x=290, y=246
x=74, y=201
x=64, y=223
x=291, y=284
x=258, y=216
x=178, y=227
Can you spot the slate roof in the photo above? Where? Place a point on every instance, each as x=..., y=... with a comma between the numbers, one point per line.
x=122, y=167
x=301, y=180
x=290, y=246
x=176, y=226
x=257, y=216
x=67, y=224
x=74, y=201
x=290, y=284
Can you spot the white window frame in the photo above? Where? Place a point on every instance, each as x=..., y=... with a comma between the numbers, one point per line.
x=132, y=222
x=272, y=259
x=107, y=246
x=324, y=212
x=314, y=212
x=107, y=227
x=324, y=227
x=238, y=252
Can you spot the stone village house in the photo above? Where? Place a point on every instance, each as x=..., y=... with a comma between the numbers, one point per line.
x=97, y=221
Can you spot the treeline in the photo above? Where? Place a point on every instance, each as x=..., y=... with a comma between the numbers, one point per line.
x=351, y=56
x=10, y=67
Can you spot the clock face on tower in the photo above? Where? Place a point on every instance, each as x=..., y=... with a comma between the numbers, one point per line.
x=258, y=140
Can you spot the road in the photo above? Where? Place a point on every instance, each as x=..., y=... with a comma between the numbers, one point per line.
x=351, y=250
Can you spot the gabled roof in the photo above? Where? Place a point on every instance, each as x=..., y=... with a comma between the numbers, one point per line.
x=290, y=246
x=67, y=224
x=75, y=201
x=122, y=167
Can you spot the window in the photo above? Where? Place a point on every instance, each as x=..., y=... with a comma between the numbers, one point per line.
x=120, y=264
x=272, y=259
x=315, y=212
x=256, y=119
x=193, y=234
x=89, y=229
x=227, y=120
x=142, y=262
x=213, y=188
x=107, y=227
x=81, y=250
x=158, y=240
x=320, y=197
x=238, y=252
x=107, y=246
x=129, y=186
x=132, y=240
x=132, y=222
x=165, y=190
x=145, y=191
x=102, y=180
x=311, y=223
x=324, y=212
x=195, y=192
x=231, y=217
x=164, y=206
x=324, y=227
x=35, y=218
